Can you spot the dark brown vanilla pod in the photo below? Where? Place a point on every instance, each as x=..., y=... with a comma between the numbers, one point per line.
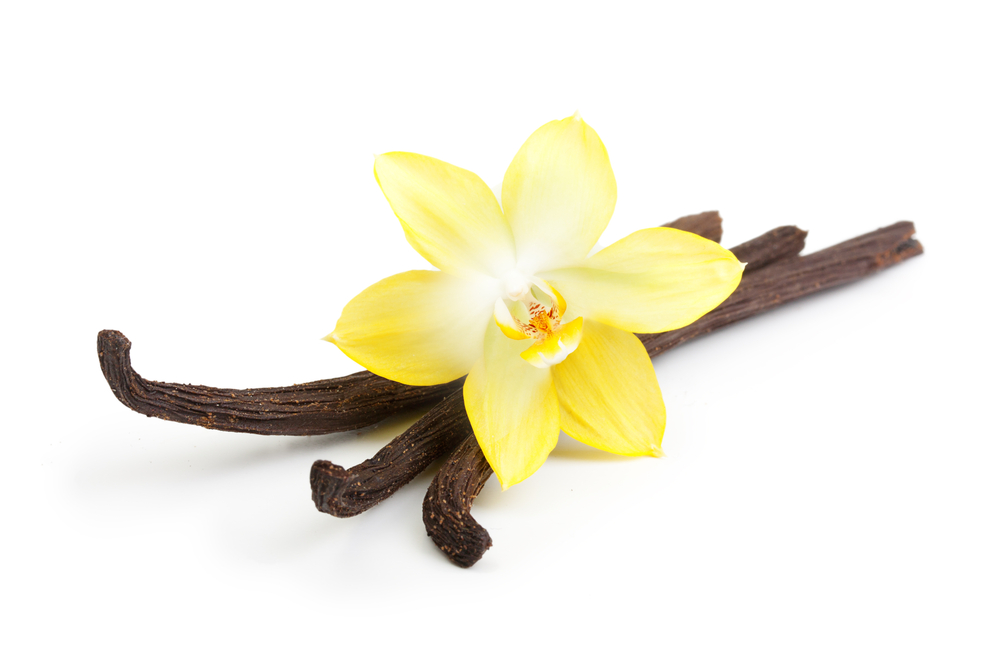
x=314, y=408
x=707, y=225
x=778, y=244
x=325, y=406
x=784, y=281
x=448, y=502
x=774, y=275
x=345, y=493
x=448, y=505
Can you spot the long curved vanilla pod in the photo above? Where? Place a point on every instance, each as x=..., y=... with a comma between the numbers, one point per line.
x=325, y=406
x=780, y=279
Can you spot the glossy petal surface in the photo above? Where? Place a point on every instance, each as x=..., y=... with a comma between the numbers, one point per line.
x=513, y=409
x=448, y=214
x=418, y=327
x=608, y=394
x=653, y=280
x=558, y=195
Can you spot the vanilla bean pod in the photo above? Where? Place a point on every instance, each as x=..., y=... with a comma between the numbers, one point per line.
x=790, y=279
x=325, y=406
x=449, y=499
x=345, y=493
x=448, y=503
x=707, y=225
x=314, y=408
x=781, y=243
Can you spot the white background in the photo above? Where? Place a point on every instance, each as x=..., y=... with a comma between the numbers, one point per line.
x=199, y=176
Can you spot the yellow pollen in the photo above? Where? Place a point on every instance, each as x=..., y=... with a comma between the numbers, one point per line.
x=542, y=321
x=554, y=340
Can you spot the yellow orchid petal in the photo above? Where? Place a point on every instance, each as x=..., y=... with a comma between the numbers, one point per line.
x=418, y=327
x=555, y=348
x=449, y=215
x=558, y=194
x=513, y=409
x=608, y=394
x=650, y=281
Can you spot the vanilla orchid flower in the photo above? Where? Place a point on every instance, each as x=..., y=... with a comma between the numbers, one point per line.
x=544, y=331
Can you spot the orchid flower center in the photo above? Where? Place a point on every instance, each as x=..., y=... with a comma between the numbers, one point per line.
x=531, y=308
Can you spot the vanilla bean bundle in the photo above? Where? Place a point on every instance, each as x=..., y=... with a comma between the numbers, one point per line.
x=775, y=275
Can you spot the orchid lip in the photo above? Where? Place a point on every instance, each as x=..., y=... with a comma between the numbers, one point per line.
x=525, y=317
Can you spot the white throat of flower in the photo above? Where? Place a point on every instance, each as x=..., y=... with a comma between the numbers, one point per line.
x=521, y=314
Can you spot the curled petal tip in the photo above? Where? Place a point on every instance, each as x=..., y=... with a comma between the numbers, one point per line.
x=331, y=337
x=577, y=116
x=657, y=452
x=504, y=320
